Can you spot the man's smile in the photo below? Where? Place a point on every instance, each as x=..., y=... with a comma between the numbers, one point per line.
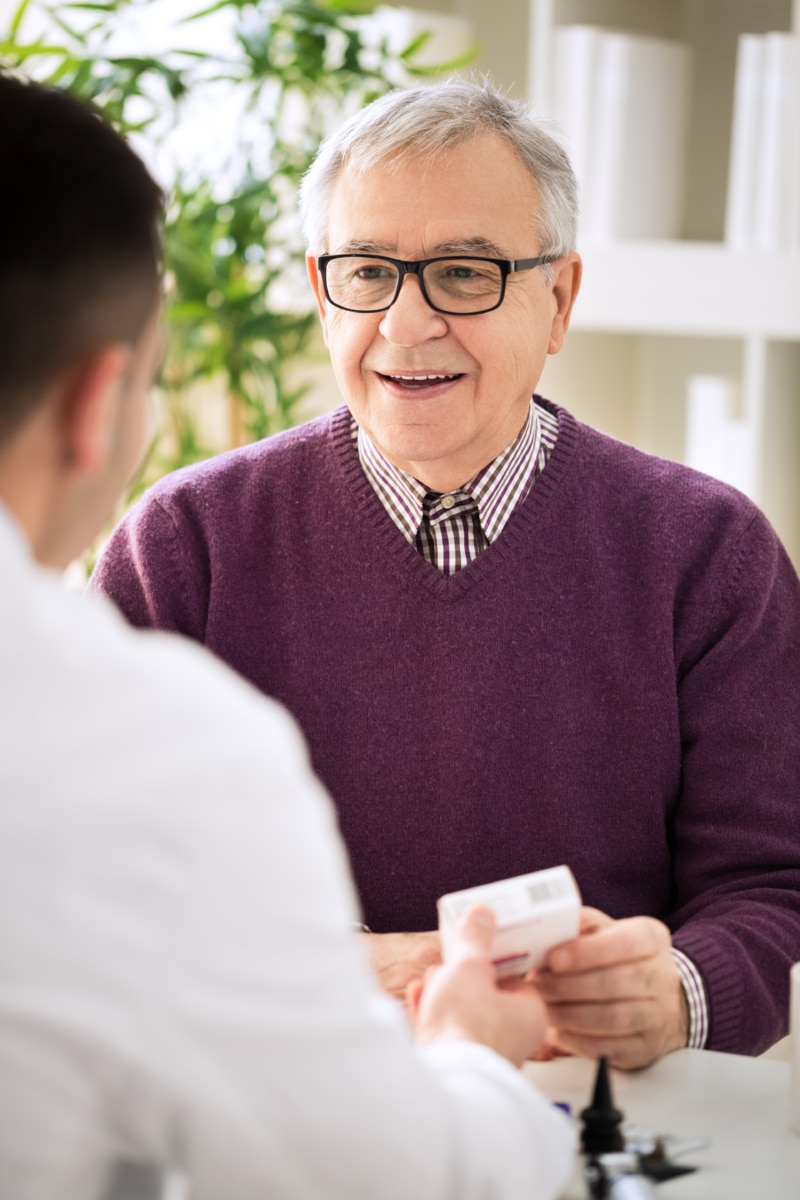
x=418, y=381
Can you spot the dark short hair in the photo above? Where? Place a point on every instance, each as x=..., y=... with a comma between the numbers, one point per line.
x=79, y=241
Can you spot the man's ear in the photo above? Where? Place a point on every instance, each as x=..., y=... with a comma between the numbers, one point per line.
x=315, y=279
x=566, y=283
x=91, y=391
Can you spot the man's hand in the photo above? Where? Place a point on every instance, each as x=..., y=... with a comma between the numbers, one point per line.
x=615, y=990
x=399, y=958
x=463, y=1000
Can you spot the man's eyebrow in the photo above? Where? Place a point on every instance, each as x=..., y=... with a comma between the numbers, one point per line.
x=474, y=245
x=356, y=247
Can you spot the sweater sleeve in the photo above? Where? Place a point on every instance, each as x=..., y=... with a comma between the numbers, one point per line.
x=737, y=826
x=156, y=569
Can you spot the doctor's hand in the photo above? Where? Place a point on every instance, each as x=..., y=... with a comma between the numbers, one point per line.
x=615, y=990
x=463, y=1000
x=399, y=958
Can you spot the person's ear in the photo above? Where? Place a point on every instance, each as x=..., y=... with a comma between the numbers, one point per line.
x=315, y=278
x=566, y=282
x=93, y=387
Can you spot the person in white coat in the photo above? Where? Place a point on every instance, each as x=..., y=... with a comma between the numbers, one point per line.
x=180, y=980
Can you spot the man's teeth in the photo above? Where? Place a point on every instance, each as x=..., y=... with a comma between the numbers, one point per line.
x=422, y=378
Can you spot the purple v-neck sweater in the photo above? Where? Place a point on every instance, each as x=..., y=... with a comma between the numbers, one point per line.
x=613, y=684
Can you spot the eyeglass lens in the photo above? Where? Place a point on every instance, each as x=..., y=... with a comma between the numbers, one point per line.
x=461, y=285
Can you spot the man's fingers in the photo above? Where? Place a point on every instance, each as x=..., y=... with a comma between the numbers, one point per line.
x=615, y=990
x=628, y=981
x=474, y=934
x=626, y=1053
x=629, y=940
x=592, y=919
x=398, y=958
x=596, y=1020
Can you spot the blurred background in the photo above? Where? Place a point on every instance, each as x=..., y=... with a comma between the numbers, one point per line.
x=683, y=121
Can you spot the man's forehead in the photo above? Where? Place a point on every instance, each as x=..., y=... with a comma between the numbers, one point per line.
x=478, y=244
x=476, y=197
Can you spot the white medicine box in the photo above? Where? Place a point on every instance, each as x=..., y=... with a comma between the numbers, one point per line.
x=534, y=913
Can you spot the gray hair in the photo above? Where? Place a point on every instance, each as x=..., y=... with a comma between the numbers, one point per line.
x=422, y=122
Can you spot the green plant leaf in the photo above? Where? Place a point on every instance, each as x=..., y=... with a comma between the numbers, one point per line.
x=96, y=7
x=16, y=55
x=229, y=248
x=415, y=45
x=447, y=68
x=352, y=8
x=214, y=8
x=18, y=18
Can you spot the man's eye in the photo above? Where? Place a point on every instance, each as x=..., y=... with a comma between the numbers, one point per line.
x=460, y=272
x=368, y=274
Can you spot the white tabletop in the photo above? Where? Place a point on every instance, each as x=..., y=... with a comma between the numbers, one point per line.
x=741, y=1104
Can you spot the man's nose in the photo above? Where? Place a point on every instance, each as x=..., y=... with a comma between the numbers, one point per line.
x=411, y=319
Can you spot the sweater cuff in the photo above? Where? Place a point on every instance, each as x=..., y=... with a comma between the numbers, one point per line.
x=722, y=984
x=696, y=1000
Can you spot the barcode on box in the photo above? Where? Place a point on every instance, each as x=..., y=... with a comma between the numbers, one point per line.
x=553, y=889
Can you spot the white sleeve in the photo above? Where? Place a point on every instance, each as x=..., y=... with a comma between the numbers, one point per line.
x=189, y=936
x=499, y=1118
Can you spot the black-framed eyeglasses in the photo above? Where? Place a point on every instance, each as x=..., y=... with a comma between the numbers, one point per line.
x=458, y=286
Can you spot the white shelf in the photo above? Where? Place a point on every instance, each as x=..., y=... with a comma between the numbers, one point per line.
x=654, y=315
x=696, y=289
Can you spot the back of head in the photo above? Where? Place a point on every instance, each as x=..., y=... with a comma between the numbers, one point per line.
x=80, y=262
x=424, y=122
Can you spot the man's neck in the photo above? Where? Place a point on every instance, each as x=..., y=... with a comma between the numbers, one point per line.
x=30, y=486
x=445, y=475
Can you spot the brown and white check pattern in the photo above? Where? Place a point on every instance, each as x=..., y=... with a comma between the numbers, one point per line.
x=458, y=525
x=696, y=1002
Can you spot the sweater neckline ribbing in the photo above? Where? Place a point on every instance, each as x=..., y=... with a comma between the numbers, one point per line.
x=527, y=518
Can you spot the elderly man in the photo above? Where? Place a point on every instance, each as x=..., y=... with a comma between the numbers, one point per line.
x=510, y=640
x=173, y=893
